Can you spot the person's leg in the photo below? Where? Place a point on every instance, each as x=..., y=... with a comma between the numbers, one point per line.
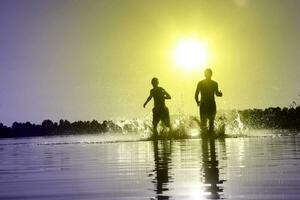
x=166, y=118
x=211, y=124
x=203, y=118
x=211, y=117
x=155, y=133
x=155, y=123
x=203, y=122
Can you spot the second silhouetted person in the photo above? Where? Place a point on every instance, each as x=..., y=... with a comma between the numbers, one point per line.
x=208, y=89
x=160, y=110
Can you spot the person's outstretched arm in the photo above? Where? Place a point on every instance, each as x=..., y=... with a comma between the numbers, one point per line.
x=148, y=99
x=197, y=94
x=218, y=92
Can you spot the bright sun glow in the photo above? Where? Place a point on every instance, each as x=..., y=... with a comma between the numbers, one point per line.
x=190, y=53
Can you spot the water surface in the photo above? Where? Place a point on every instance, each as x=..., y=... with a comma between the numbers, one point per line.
x=94, y=167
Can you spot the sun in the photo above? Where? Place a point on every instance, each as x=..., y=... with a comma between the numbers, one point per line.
x=190, y=53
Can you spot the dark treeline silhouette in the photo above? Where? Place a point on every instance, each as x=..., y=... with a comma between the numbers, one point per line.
x=272, y=118
x=63, y=127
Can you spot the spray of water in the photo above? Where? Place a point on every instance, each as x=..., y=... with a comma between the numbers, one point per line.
x=184, y=126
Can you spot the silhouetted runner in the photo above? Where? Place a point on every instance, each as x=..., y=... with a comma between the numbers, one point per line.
x=160, y=110
x=208, y=89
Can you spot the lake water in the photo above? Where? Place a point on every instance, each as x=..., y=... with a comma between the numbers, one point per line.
x=99, y=167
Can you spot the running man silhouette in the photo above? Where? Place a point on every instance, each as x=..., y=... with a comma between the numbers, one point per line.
x=160, y=110
x=208, y=89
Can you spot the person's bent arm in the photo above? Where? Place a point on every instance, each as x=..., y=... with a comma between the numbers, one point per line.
x=167, y=95
x=148, y=99
x=197, y=94
x=218, y=92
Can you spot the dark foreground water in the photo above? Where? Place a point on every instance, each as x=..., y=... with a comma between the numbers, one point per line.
x=85, y=167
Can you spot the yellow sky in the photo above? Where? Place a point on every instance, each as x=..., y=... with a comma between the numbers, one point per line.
x=95, y=59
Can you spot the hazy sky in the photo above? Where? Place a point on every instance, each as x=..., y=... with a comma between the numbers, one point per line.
x=93, y=59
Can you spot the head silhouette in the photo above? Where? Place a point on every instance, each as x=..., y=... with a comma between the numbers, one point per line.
x=154, y=82
x=208, y=73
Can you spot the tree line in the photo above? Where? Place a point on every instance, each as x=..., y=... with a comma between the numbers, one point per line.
x=63, y=127
x=270, y=118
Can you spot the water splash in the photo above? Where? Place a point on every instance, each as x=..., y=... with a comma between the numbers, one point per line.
x=234, y=124
x=184, y=126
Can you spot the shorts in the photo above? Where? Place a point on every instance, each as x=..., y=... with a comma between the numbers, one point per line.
x=161, y=114
x=208, y=110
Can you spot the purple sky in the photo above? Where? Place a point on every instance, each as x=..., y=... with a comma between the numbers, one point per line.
x=92, y=59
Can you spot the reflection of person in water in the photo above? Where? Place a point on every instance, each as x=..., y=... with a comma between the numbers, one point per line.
x=208, y=89
x=162, y=158
x=211, y=169
x=160, y=110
